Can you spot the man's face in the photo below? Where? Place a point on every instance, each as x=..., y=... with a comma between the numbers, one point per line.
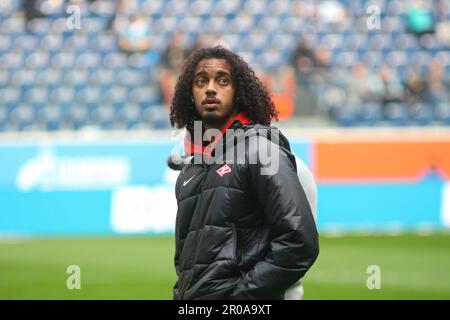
x=213, y=91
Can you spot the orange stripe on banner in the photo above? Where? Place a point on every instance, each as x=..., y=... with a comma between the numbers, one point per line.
x=380, y=160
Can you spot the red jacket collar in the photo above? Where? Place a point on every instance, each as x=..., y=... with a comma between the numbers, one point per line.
x=199, y=146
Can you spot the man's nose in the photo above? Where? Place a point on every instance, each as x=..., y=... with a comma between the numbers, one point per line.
x=211, y=88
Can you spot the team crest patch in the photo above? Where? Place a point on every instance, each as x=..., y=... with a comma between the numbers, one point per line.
x=223, y=170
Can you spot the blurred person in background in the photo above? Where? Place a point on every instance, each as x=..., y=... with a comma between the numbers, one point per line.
x=303, y=62
x=31, y=9
x=171, y=63
x=239, y=234
x=419, y=19
x=437, y=86
x=134, y=37
x=43, y=8
x=392, y=86
x=330, y=11
x=364, y=86
x=414, y=88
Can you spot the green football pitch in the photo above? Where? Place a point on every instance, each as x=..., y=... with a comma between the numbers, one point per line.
x=410, y=266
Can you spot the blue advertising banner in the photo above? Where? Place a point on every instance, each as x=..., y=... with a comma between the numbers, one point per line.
x=107, y=188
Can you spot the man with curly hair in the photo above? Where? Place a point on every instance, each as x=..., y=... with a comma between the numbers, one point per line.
x=244, y=227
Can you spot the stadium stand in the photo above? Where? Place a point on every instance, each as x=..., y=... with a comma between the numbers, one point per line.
x=53, y=77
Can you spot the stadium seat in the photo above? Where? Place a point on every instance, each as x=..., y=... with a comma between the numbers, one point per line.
x=5, y=43
x=346, y=116
x=422, y=114
x=397, y=114
x=442, y=113
x=371, y=114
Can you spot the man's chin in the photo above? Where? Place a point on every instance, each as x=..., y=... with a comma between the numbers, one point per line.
x=212, y=118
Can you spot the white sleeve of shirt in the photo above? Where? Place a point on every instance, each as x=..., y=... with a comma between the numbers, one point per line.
x=309, y=185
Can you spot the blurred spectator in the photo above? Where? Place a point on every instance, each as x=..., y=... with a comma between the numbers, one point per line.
x=172, y=61
x=303, y=59
x=392, y=86
x=312, y=71
x=364, y=86
x=31, y=8
x=414, y=88
x=281, y=83
x=135, y=37
x=175, y=53
x=330, y=11
x=419, y=19
x=43, y=8
x=118, y=5
x=443, y=33
x=437, y=87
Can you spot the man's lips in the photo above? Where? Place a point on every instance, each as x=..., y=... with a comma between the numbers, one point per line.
x=211, y=103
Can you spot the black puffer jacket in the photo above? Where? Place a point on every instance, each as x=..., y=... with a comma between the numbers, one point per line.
x=241, y=234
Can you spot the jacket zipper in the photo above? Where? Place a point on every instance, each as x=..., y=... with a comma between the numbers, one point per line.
x=197, y=232
x=234, y=235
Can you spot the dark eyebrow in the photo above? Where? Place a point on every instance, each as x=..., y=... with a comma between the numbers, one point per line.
x=218, y=73
x=223, y=73
x=202, y=73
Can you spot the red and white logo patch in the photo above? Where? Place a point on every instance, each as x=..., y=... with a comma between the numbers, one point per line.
x=223, y=170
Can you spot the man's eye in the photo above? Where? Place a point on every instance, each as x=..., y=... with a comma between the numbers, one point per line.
x=223, y=81
x=200, y=81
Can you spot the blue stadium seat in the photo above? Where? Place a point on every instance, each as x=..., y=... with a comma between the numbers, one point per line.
x=12, y=26
x=442, y=113
x=241, y=25
x=79, y=115
x=102, y=9
x=4, y=78
x=200, y=8
x=51, y=115
x=145, y=96
x=24, y=114
x=405, y=41
x=291, y=25
x=63, y=60
x=40, y=26
x=396, y=7
x=397, y=59
x=12, y=61
x=37, y=61
x=156, y=117
x=397, y=114
x=88, y=61
x=346, y=59
x=354, y=41
x=269, y=24
x=36, y=95
x=255, y=7
x=5, y=43
x=114, y=60
x=346, y=116
x=422, y=114
x=371, y=114
x=380, y=41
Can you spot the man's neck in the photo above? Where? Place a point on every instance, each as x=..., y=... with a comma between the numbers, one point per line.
x=221, y=126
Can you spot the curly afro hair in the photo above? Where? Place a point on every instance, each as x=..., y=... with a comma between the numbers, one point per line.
x=251, y=96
